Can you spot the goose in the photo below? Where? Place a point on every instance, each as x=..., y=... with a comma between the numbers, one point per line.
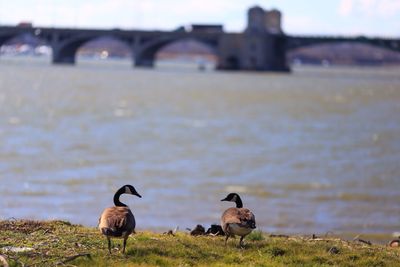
x=118, y=221
x=237, y=221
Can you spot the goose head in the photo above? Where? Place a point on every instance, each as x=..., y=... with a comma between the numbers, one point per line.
x=231, y=197
x=130, y=190
x=234, y=197
x=126, y=189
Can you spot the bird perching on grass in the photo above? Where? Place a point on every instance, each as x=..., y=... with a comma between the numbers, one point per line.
x=118, y=221
x=237, y=221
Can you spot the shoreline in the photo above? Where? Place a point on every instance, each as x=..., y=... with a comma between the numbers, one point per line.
x=38, y=243
x=379, y=238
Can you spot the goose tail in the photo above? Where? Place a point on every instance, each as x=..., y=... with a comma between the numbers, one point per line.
x=110, y=232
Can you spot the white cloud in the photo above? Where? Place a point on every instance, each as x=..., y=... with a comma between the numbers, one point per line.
x=345, y=7
x=389, y=8
x=370, y=8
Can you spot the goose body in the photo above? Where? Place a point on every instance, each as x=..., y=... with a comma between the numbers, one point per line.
x=118, y=221
x=237, y=220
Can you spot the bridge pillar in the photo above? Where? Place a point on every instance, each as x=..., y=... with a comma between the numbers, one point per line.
x=143, y=62
x=62, y=55
x=63, y=59
x=141, y=57
x=138, y=57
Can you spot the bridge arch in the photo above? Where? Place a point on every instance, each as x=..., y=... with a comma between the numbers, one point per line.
x=26, y=43
x=4, y=38
x=66, y=51
x=145, y=55
x=104, y=49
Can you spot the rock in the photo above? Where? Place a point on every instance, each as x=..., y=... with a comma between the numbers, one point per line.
x=16, y=249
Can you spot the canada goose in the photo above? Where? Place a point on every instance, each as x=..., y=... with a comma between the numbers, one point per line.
x=215, y=230
x=237, y=221
x=198, y=230
x=118, y=221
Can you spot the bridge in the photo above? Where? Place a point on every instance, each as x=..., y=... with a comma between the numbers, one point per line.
x=262, y=46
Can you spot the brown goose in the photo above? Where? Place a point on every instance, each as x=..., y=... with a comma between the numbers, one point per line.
x=118, y=221
x=237, y=221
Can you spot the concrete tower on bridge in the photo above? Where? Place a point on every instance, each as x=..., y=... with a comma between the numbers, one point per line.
x=260, y=47
x=264, y=21
x=273, y=21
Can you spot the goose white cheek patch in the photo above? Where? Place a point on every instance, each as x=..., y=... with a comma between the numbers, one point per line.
x=128, y=191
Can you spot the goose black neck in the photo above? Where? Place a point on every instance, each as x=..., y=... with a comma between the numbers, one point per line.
x=239, y=203
x=118, y=203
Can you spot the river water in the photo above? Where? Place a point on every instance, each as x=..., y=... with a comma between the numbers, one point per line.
x=314, y=151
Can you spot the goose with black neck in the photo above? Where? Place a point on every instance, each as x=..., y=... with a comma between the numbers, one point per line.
x=118, y=221
x=237, y=220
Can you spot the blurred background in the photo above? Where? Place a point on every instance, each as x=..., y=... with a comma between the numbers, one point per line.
x=312, y=150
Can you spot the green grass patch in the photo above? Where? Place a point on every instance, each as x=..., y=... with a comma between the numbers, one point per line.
x=256, y=235
x=61, y=243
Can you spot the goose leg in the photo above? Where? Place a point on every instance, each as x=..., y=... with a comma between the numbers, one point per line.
x=123, y=250
x=241, y=241
x=226, y=239
x=109, y=244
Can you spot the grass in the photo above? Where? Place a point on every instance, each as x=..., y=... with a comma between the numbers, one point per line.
x=61, y=243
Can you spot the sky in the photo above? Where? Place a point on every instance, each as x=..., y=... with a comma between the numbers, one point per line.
x=380, y=18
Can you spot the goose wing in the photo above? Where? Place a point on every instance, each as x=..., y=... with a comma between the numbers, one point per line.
x=117, y=220
x=230, y=216
x=247, y=218
x=241, y=216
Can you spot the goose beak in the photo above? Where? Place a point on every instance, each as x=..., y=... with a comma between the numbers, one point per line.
x=223, y=199
x=137, y=194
